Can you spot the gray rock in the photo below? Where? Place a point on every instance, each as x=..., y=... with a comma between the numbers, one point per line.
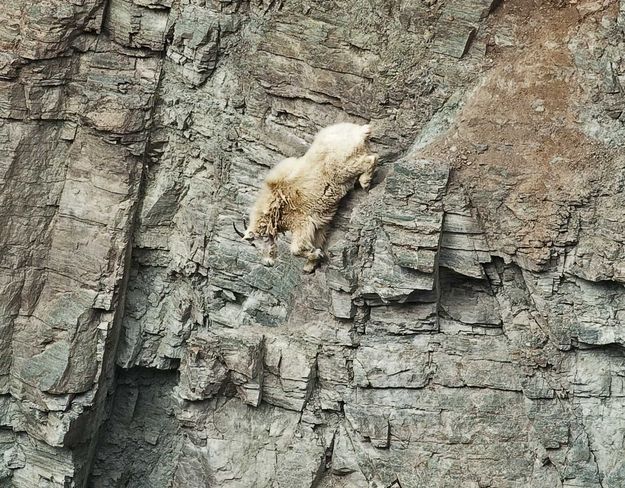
x=466, y=328
x=213, y=361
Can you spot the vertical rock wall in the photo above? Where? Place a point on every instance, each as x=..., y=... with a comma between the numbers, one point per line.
x=468, y=326
x=75, y=105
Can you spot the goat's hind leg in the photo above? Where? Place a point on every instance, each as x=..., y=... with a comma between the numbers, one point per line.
x=368, y=167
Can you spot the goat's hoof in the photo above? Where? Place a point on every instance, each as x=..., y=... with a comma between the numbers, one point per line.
x=365, y=184
x=268, y=262
x=313, y=260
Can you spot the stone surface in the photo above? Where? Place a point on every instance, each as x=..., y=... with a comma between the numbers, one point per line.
x=468, y=325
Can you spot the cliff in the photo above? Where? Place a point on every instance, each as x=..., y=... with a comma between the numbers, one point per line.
x=468, y=326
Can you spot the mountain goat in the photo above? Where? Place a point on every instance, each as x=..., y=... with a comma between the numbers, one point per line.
x=302, y=194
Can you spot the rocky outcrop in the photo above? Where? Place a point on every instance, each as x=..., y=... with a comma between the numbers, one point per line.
x=468, y=325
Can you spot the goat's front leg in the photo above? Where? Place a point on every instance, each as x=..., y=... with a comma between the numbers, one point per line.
x=316, y=255
x=304, y=244
x=269, y=251
x=368, y=167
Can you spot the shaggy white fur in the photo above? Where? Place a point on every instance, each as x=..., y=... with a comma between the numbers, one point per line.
x=301, y=195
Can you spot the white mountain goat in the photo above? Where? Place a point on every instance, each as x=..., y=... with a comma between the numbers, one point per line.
x=302, y=194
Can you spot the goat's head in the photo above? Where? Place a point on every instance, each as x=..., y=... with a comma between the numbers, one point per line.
x=249, y=236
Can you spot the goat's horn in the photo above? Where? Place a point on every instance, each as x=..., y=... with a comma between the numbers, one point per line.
x=239, y=233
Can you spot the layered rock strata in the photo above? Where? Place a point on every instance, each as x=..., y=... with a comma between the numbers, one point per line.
x=468, y=325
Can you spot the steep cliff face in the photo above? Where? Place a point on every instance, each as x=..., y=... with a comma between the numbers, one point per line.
x=468, y=326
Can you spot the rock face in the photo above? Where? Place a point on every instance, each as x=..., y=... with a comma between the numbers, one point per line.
x=468, y=326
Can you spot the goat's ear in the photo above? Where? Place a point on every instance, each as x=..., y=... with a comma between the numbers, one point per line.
x=366, y=129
